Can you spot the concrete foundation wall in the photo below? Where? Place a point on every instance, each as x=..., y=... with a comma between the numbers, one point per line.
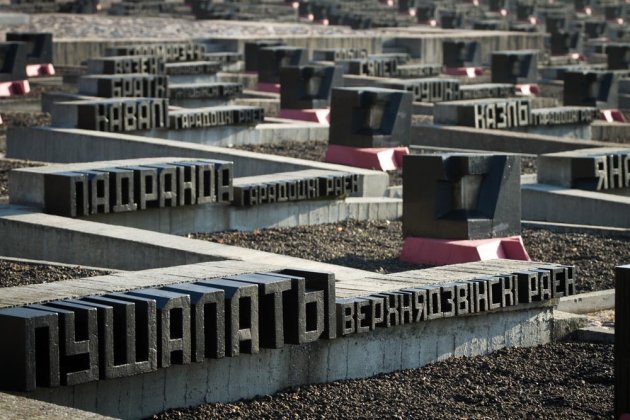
x=356, y=356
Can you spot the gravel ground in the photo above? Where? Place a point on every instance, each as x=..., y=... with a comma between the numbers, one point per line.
x=563, y=380
x=316, y=150
x=68, y=26
x=20, y=273
x=375, y=246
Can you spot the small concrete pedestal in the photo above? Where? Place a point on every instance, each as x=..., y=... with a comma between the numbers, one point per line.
x=470, y=72
x=446, y=251
x=321, y=116
x=38, y=70
x=16, y=87
x=384, y=159
x=268, y=87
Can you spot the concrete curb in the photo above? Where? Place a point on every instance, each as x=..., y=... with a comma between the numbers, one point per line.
x=585, y=303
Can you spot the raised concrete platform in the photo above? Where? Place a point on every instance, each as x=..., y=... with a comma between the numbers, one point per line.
x=495, y=140
x=272, y=131
x=549, y=203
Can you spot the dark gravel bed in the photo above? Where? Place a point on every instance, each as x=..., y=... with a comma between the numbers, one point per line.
x=5, y=166
x=563, y=380
x=14, y=273
x=375, y=246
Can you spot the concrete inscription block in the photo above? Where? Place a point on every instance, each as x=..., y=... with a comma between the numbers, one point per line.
x=132, y=64
x=241, y=315
x=35, y=362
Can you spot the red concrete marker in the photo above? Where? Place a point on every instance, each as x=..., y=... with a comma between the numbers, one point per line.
x=470, y=72
x=268, y=87
x=321, y=116
x=447, y=251
x=612, y=115
x=36, y=70
x=528, y=90
x=384, y=159
x=19, y=87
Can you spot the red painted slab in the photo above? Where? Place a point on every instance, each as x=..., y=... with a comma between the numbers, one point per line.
x=18, y=87
x=268, y=87
x=36, y=70
x=446, y=251
x=384, y=159
x=321, y=116
x=612, y=115
x=528, y=90
x=470, y=72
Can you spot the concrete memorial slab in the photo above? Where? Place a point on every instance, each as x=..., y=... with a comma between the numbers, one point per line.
x=113, y=115
x=516, y=67
x=452, y=205
x=271, y=59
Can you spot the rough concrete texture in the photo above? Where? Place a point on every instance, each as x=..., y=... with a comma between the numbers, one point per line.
x=565, y=324
x=18, y=408
x=356, y=356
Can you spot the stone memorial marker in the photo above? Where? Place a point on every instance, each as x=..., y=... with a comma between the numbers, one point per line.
x=516, y=67
x=370, y=117
x=428, y=90
x=272, y=59
x=308, y=87
x=38, y=46
x=170, y=52
x=252, y=51
x=339, y=54
x=591, y=88
x=458, y=54
x=618, y=56
x=563, y=42
x=461, y=196
x=12, y=61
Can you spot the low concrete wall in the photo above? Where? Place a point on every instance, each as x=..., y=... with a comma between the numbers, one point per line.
x=268, y=133
x=73, y=145
x=495, y=140
x=549, y=203
x=356, y=356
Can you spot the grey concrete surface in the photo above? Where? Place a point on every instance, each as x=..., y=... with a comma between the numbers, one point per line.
x=495, y=140
x=548, y=203
x=585, y=303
